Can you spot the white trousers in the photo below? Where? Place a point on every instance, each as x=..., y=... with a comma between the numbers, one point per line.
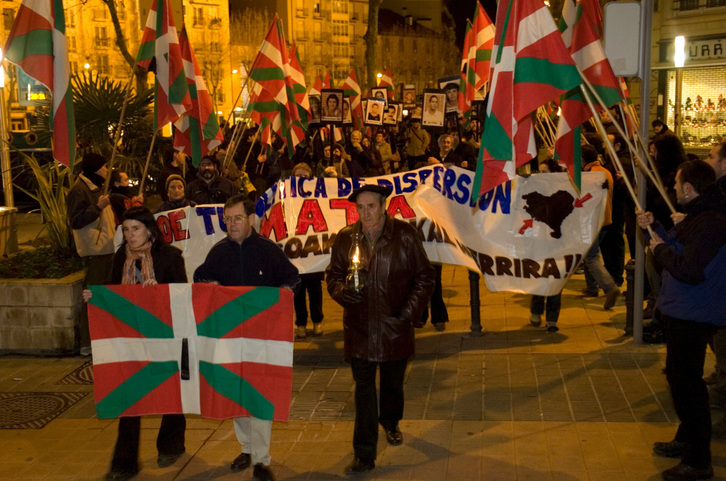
x=254, y=435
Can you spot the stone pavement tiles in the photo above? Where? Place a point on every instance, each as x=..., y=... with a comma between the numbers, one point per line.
x=515, y=404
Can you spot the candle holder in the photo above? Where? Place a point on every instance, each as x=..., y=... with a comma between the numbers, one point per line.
x=356, y=278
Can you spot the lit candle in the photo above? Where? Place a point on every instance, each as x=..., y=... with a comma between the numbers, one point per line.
x=356, y=267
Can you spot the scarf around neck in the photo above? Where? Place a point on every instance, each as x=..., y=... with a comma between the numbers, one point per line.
x=143, y=254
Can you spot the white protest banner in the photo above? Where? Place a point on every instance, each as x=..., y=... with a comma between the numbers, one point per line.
x=526, y=235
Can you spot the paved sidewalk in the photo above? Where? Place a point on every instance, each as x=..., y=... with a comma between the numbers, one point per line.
x=518, y=403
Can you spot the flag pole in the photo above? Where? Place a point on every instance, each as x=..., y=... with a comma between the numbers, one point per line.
x=611, y=150
x=239, y=95
x=117, y=135
x=652, y=175
x=254, y=141
x=148, y=159
x=233, y=144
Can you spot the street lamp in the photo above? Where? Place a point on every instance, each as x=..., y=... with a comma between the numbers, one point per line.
x=679, y=59
x=378, y=78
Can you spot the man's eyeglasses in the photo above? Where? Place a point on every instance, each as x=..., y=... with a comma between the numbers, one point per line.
x=237, y=219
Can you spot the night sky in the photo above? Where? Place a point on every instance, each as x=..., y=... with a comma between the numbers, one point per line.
x=463, y=9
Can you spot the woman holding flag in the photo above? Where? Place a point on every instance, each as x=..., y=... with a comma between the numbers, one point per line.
x=144, y=258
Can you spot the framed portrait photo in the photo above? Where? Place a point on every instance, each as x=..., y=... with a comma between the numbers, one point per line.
x=347, y=114
x=380, y=93
x=409, y=96
x=375, y=108
x=450, y=86
x=314, y=108
x=433, y=108
x=392, y=113
x=417, y=111
x=332, y=106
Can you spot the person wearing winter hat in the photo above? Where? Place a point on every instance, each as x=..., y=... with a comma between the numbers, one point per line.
x=175, y=187
x=210, y=187
x=93, y=223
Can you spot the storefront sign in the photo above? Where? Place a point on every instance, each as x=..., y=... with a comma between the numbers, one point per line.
x=700, y=50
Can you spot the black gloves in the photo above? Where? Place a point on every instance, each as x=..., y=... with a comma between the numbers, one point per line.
x=352, y=296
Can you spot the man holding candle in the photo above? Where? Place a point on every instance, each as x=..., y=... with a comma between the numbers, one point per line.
x=380, y=274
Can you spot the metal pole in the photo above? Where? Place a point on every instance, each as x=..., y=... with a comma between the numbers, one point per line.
x=5, y=155
x=677, y=115
x=475, y=328
x=646, y=33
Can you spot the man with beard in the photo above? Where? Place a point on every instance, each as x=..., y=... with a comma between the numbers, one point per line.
x=93, y=223
x=209, y=187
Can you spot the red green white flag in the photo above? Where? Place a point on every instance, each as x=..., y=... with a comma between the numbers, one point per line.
x=160, y=53
x=530, y=67
x=328, y=80
x=197, y=132
x=581, y=29
x=37, y=43
x=317, y=86
x=351, y=89
x=273, y=73
x=298, y=84
x=387, y=82
x=216, y=351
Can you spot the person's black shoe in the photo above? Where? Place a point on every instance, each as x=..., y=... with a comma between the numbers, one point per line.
x=262, y=473
x=393, y=435
x=439, y=326
x=241, y=462
x=656, y=336
x=360, y=465
x=121, y=475
x=684, y=472
x=673, y=449
x=164, y=460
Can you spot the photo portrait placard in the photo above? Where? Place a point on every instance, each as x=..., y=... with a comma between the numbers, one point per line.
x=409, y=96
x=433, y=108
x=332, y=106
x=390, y=117
x=375, y=108
x=314, y=109
x=450, y=86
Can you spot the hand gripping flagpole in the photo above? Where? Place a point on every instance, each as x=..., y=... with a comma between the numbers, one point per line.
x=611, y=149
x=652, y=175
x=116, y=139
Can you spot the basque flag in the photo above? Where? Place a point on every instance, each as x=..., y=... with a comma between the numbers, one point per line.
x=220, y=352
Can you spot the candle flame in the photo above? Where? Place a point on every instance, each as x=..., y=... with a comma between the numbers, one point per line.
x=356, y=256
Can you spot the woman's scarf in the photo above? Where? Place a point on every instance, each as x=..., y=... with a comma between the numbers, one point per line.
x=143, y=254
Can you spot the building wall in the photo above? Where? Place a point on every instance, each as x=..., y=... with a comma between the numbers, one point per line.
x=92, y=38
x=701, y=22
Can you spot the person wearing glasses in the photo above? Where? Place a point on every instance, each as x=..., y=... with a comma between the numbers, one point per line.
x=245, y=258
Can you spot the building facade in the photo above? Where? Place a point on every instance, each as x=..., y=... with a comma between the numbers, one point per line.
x=92, y=44
x=703, y=85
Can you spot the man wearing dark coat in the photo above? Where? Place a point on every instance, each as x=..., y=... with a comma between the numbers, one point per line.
x=380, y=313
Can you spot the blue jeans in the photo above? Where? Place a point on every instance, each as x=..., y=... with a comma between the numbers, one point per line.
x=595, y=273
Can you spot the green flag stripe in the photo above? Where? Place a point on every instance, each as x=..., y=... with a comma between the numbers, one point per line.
x=541, y=70
x=504, y=33
x=483, y=55
x=238, y=310
x=260, y=74
x=237, y=389
x=178, y=89
x=130, y=314
x=496, y=140
x=133, y=389
x=35, y=42
x=146, y=51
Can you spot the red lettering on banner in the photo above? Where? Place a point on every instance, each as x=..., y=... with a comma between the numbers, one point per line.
x=175, y=217
x=310, y=215
x=399, y=205
x=275, y=221
x=165, y=227
x=351, y=214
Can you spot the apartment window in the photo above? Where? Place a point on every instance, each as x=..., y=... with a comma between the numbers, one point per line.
x=102, y=66
x=198, y=16
x=215, y=47
x=101, y=38
x=716, y=3
x=70, y=17
x=100, y=13
x=8, y=18
x=71, y=43
x=220, y=97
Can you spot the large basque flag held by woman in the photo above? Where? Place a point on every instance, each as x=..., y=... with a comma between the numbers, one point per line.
x=217, y=351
